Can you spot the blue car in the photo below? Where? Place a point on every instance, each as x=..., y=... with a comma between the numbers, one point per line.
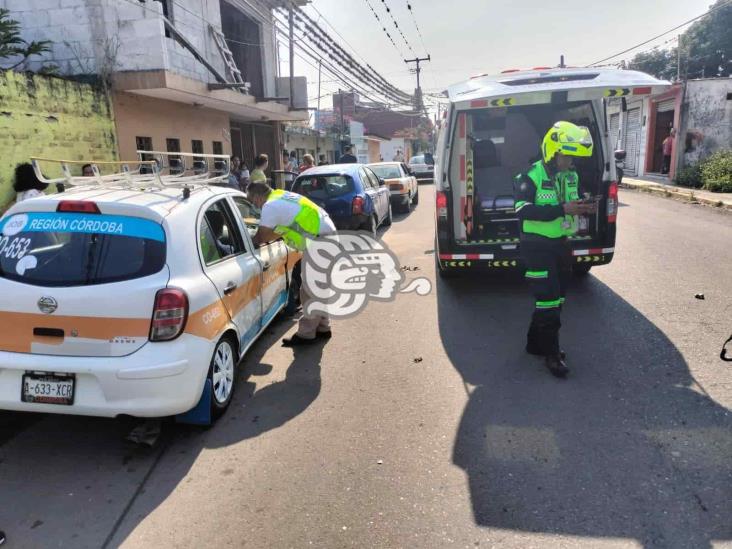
x=354, y=197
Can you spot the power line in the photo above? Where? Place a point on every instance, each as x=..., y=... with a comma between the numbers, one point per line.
x=711, y=10
x=383, y=27
x=396, y=25
x=414, y=19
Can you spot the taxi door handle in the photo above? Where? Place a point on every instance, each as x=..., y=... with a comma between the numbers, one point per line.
x=266, y=267
x=230, y=287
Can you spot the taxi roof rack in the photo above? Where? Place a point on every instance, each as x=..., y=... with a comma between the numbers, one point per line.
x=153, y=169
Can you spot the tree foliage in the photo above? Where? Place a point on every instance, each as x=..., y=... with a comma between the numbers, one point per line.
x=706, y=49
x=12, y=45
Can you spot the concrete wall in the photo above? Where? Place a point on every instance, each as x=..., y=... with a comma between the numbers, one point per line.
x=138, y=115
x=52, y=118
x=707, y=121
x=98, y=36
x=307, y=143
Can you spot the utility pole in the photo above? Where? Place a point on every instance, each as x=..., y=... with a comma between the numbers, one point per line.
x=343, y=128
x=317, y=118
x=292, y=58
x=418, y=94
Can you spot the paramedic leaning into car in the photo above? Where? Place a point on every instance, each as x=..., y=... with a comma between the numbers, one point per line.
x=294, y=218
x=547, y=205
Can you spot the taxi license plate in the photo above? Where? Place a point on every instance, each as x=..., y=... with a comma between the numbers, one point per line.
x=44, y=388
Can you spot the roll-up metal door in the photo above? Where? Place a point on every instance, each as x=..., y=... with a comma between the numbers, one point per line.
x=614, y=125
x=666, y=106
x=632, y=141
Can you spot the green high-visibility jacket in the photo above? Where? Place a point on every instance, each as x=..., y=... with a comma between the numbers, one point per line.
x=306, y=224
x=540, y=198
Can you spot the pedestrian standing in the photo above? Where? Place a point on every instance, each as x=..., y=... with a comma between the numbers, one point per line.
x=260, y=165
x=295, y=219
x=668, y=146
x=307, y=162
x=26, y=184
x=547, y=206
x=322, y=161
x=398, y=156
x=289, y=167
x=347, y=156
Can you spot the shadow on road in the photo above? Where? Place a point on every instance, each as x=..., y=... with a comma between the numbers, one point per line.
x=627, y=447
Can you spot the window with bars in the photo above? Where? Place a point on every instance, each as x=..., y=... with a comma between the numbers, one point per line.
x=218, y=147
x=199, y=165
x=172, y=145
x=143, y=143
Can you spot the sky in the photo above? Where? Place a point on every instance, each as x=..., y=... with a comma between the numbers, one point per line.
x=468, y=37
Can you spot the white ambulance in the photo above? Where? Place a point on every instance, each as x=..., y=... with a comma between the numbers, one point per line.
x=492, y=131
x=133, y=294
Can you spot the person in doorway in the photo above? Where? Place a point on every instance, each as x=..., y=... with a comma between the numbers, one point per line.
x=295, y=219
x=87, y=170
x=668, y=147
x=289, y=167
x=347, y=156
x=26, y=185
x=398, y=156
x=547, y=206
x=307, y=162
x=321, y=160
x=260, y=165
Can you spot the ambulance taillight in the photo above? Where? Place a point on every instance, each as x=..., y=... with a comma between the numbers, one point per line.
x=169, y=315
x=441, y=204
x=612, y=203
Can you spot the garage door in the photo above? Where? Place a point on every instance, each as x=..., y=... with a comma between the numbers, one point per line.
x=632, y=141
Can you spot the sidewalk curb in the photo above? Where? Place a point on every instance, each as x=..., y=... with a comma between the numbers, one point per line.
x=675, y=192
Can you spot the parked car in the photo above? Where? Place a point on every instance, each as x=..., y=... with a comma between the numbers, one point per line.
x=133, y=302
x=352, y=194
x=402, y=184
x=422, y=167
x=493, y=132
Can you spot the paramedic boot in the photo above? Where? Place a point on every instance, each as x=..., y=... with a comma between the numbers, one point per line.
x=533, y=349
x=556, y=366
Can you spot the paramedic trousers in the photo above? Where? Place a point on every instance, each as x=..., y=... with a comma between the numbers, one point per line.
x=548, y=268
x=310, y=324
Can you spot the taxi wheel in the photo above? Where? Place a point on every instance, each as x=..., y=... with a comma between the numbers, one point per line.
x=370, y=226
x=222, y=374
x=388, y=219
x=415, y=198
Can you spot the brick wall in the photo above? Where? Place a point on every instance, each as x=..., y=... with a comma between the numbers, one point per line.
x=52, y=118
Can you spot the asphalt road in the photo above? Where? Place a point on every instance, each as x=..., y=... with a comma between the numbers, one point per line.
x=422, y=423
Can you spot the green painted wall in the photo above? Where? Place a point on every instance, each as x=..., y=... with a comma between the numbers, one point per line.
x=51, y=118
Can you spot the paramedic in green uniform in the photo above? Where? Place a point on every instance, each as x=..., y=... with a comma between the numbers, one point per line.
x=547, y=206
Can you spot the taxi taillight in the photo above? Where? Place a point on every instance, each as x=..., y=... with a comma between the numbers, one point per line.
x=612, y=203
x=169, y=315
x=357, y=205
x=78, y=206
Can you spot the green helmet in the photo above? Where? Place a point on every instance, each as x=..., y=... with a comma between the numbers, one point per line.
x=566, y=138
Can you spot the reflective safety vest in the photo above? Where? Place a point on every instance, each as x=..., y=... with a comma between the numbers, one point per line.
x=553, y=192
x=306, y=223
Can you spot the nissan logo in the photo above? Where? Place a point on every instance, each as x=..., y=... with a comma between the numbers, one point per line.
x=47, y=304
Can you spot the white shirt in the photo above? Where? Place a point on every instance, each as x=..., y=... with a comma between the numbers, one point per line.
x=25, y=195
x=283, y=212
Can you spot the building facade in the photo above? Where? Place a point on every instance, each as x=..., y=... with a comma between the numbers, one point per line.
x=185, y=75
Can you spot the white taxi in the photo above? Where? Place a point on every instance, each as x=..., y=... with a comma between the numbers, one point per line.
x=138, y=302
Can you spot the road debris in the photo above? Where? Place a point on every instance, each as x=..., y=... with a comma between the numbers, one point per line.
x=699, y=296
x=409, y=268
x=380, y=462
x=2, y=537
x=417, y=359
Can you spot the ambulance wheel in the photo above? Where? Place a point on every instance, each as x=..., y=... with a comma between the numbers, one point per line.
x=222, y=374
x=444, y=274
x=415, y=198
x=581, y=270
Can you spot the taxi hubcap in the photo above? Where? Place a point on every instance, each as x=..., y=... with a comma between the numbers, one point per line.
x=223, y=372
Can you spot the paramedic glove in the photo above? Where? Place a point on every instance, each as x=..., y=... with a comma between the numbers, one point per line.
x=578, y=207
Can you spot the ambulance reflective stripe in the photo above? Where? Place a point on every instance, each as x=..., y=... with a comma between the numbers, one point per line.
x=593, y=251
x=617, y=92
x=507, y=102
x=553, y=304
x=466, y=256
x=537, y=274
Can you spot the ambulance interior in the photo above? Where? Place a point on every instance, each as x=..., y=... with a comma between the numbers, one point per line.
x=504, y=143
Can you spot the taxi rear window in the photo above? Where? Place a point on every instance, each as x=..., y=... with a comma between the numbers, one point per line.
x=71, y=249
